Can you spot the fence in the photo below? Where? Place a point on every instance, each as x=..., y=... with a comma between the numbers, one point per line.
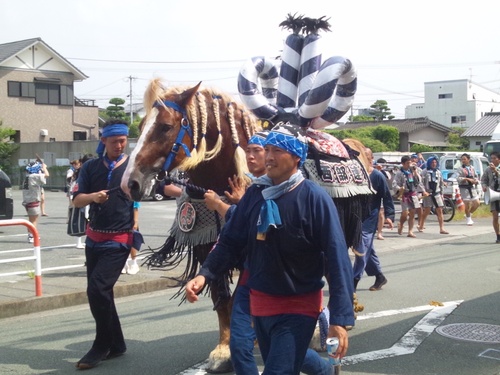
x=36, y=257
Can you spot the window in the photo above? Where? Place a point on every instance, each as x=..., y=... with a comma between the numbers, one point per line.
x=80, y=136
x=66, y=95
x=47, y=93
x=458, y=119
x=21, y=89
x=43, y=92
x=445, y=96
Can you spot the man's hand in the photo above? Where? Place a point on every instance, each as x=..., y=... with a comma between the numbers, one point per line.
x=193, y=287
x=100, y=197
x=340, y=333
x=212, y=200
x=237, y=185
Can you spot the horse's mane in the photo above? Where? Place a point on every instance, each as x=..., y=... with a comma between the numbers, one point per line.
x=207, y=101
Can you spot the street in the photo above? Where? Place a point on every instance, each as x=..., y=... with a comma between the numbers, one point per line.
x=395, y=334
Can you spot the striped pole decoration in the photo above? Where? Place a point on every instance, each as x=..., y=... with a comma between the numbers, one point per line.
x=321, y=107
x=342, y=101
x=259, y=71
x=319, y=94
x=289, y=71
x=310, y=62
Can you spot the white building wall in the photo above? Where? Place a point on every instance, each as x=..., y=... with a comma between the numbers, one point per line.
x=445, y=100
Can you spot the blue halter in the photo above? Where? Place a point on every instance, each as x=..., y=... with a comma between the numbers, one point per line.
x=185, y=128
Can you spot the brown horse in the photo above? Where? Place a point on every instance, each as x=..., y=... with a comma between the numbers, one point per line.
x=203, y=132
x=184, y=129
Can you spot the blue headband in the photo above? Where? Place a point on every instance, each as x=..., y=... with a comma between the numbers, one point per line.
x=429, y=161
x=34, y=167
x=290, y=138
x=258, y=139
x=111, y=131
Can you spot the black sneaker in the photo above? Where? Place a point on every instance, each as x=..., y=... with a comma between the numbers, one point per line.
x=380, y=281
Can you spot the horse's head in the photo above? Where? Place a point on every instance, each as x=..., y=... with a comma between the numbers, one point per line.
x=166, y=137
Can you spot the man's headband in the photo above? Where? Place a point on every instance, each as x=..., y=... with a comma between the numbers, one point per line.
x=258, y=138
x=290, y=138
x=111, y=131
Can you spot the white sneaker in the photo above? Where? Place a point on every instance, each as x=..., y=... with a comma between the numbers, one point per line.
x=468, y=221
x=30, y=238
x=133, y=268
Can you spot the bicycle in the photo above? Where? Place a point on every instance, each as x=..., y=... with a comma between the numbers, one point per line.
x=448, y=210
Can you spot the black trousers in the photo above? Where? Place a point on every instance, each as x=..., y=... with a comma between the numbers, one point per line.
x=105, y=261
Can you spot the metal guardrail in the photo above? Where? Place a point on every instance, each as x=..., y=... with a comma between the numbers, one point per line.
x=36, y=257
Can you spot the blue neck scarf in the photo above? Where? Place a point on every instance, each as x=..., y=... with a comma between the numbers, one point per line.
x=112, y=165
x=269, y=212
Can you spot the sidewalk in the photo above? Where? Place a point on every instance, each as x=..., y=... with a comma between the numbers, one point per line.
x=67, y=288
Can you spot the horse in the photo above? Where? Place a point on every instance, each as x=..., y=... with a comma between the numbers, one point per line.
x=184, y=129
x=203, y=132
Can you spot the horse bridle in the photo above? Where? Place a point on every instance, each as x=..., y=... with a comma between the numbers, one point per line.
x=185, y=129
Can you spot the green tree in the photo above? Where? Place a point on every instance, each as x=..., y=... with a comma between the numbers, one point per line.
x=381, y=111
x=7, y=148
x=377, y=138
x=361, y=118
x=133, y=130
x=116, y=110
x=456, y=141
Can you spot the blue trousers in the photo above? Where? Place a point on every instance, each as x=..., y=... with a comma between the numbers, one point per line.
x=243, y=336
x=105, y=261
x=369, y=262
x=283, y=342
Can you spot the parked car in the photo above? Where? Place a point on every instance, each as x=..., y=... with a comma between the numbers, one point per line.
x=6, y=201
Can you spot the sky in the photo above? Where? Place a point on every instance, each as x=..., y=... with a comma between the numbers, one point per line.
x=396, y=46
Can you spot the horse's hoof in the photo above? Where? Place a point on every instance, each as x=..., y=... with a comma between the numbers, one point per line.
x=222, y=368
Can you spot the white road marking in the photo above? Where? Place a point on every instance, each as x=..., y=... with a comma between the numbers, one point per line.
x=412, y=339
x=407, y=345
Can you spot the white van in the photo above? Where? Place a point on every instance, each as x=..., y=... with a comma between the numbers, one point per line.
x=450, y=162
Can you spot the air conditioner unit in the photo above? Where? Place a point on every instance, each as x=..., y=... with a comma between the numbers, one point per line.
x=44, y=132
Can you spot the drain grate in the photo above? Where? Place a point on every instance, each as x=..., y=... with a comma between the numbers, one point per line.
x=477, y=332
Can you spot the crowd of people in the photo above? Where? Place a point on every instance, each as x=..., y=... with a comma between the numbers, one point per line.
x=278, y=309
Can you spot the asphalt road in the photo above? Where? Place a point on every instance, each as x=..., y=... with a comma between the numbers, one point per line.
x=397, y=333
x=393, y=335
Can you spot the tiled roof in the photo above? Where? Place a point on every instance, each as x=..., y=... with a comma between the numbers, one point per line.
x=408, y=125
x=7, y=50
x=483, y=127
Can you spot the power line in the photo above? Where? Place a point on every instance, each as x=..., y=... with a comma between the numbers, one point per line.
x=157, y=62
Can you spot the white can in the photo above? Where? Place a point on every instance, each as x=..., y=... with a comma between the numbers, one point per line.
x=332, y=345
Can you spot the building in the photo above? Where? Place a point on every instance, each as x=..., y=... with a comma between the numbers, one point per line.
x=412, y=131
x=457, y=103
x=482, y=130
x=37, y=95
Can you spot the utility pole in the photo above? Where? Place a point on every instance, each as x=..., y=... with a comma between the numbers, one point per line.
x=131, y=109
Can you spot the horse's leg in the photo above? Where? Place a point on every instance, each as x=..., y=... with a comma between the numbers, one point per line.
x=219, y=360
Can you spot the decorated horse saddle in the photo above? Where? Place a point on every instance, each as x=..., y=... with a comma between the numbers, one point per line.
x=335, y=167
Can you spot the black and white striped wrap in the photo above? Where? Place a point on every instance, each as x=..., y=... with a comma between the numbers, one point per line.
x=331, y=95
x=259, y=72
x=313, y=93
x=289, y=71
x=310, y=63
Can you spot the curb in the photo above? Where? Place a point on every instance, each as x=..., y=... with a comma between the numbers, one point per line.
x=44, y=303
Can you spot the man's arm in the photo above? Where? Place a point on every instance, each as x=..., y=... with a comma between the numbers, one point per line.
x=82, y=200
